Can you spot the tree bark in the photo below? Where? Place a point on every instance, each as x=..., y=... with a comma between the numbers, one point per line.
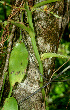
x=49, y=30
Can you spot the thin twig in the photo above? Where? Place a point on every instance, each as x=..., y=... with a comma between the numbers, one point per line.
x=13, y=13
x=59, y=68
x=10, y=42
x=8, y=50
x=45, y=85
x=54, y=71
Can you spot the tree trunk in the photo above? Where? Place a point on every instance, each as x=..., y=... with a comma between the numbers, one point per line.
x=49, y=30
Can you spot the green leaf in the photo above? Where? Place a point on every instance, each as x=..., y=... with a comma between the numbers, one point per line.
x=19, y=24
x=57, y=16
x=48, y=55
x=17, y=63
x=10, y=104
x=22, y=26
x=44, y=3
x=29, y=16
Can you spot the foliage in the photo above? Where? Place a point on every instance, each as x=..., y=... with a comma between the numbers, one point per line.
x=19, y=56
x=10, y=103
x=59, y=96
x=48, y=55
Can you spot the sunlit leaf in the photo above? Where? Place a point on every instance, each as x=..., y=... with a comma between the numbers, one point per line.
x=50, y=55
x=44, y=3
x=10, y=104
x=18, y=63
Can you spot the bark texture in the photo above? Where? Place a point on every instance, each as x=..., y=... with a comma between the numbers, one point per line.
x=49, y=30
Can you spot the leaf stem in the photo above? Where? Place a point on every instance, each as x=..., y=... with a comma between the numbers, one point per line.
x=11, y=88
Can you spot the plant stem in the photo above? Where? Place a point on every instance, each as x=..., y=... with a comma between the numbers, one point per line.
x=10, y=91
x=39, y=61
